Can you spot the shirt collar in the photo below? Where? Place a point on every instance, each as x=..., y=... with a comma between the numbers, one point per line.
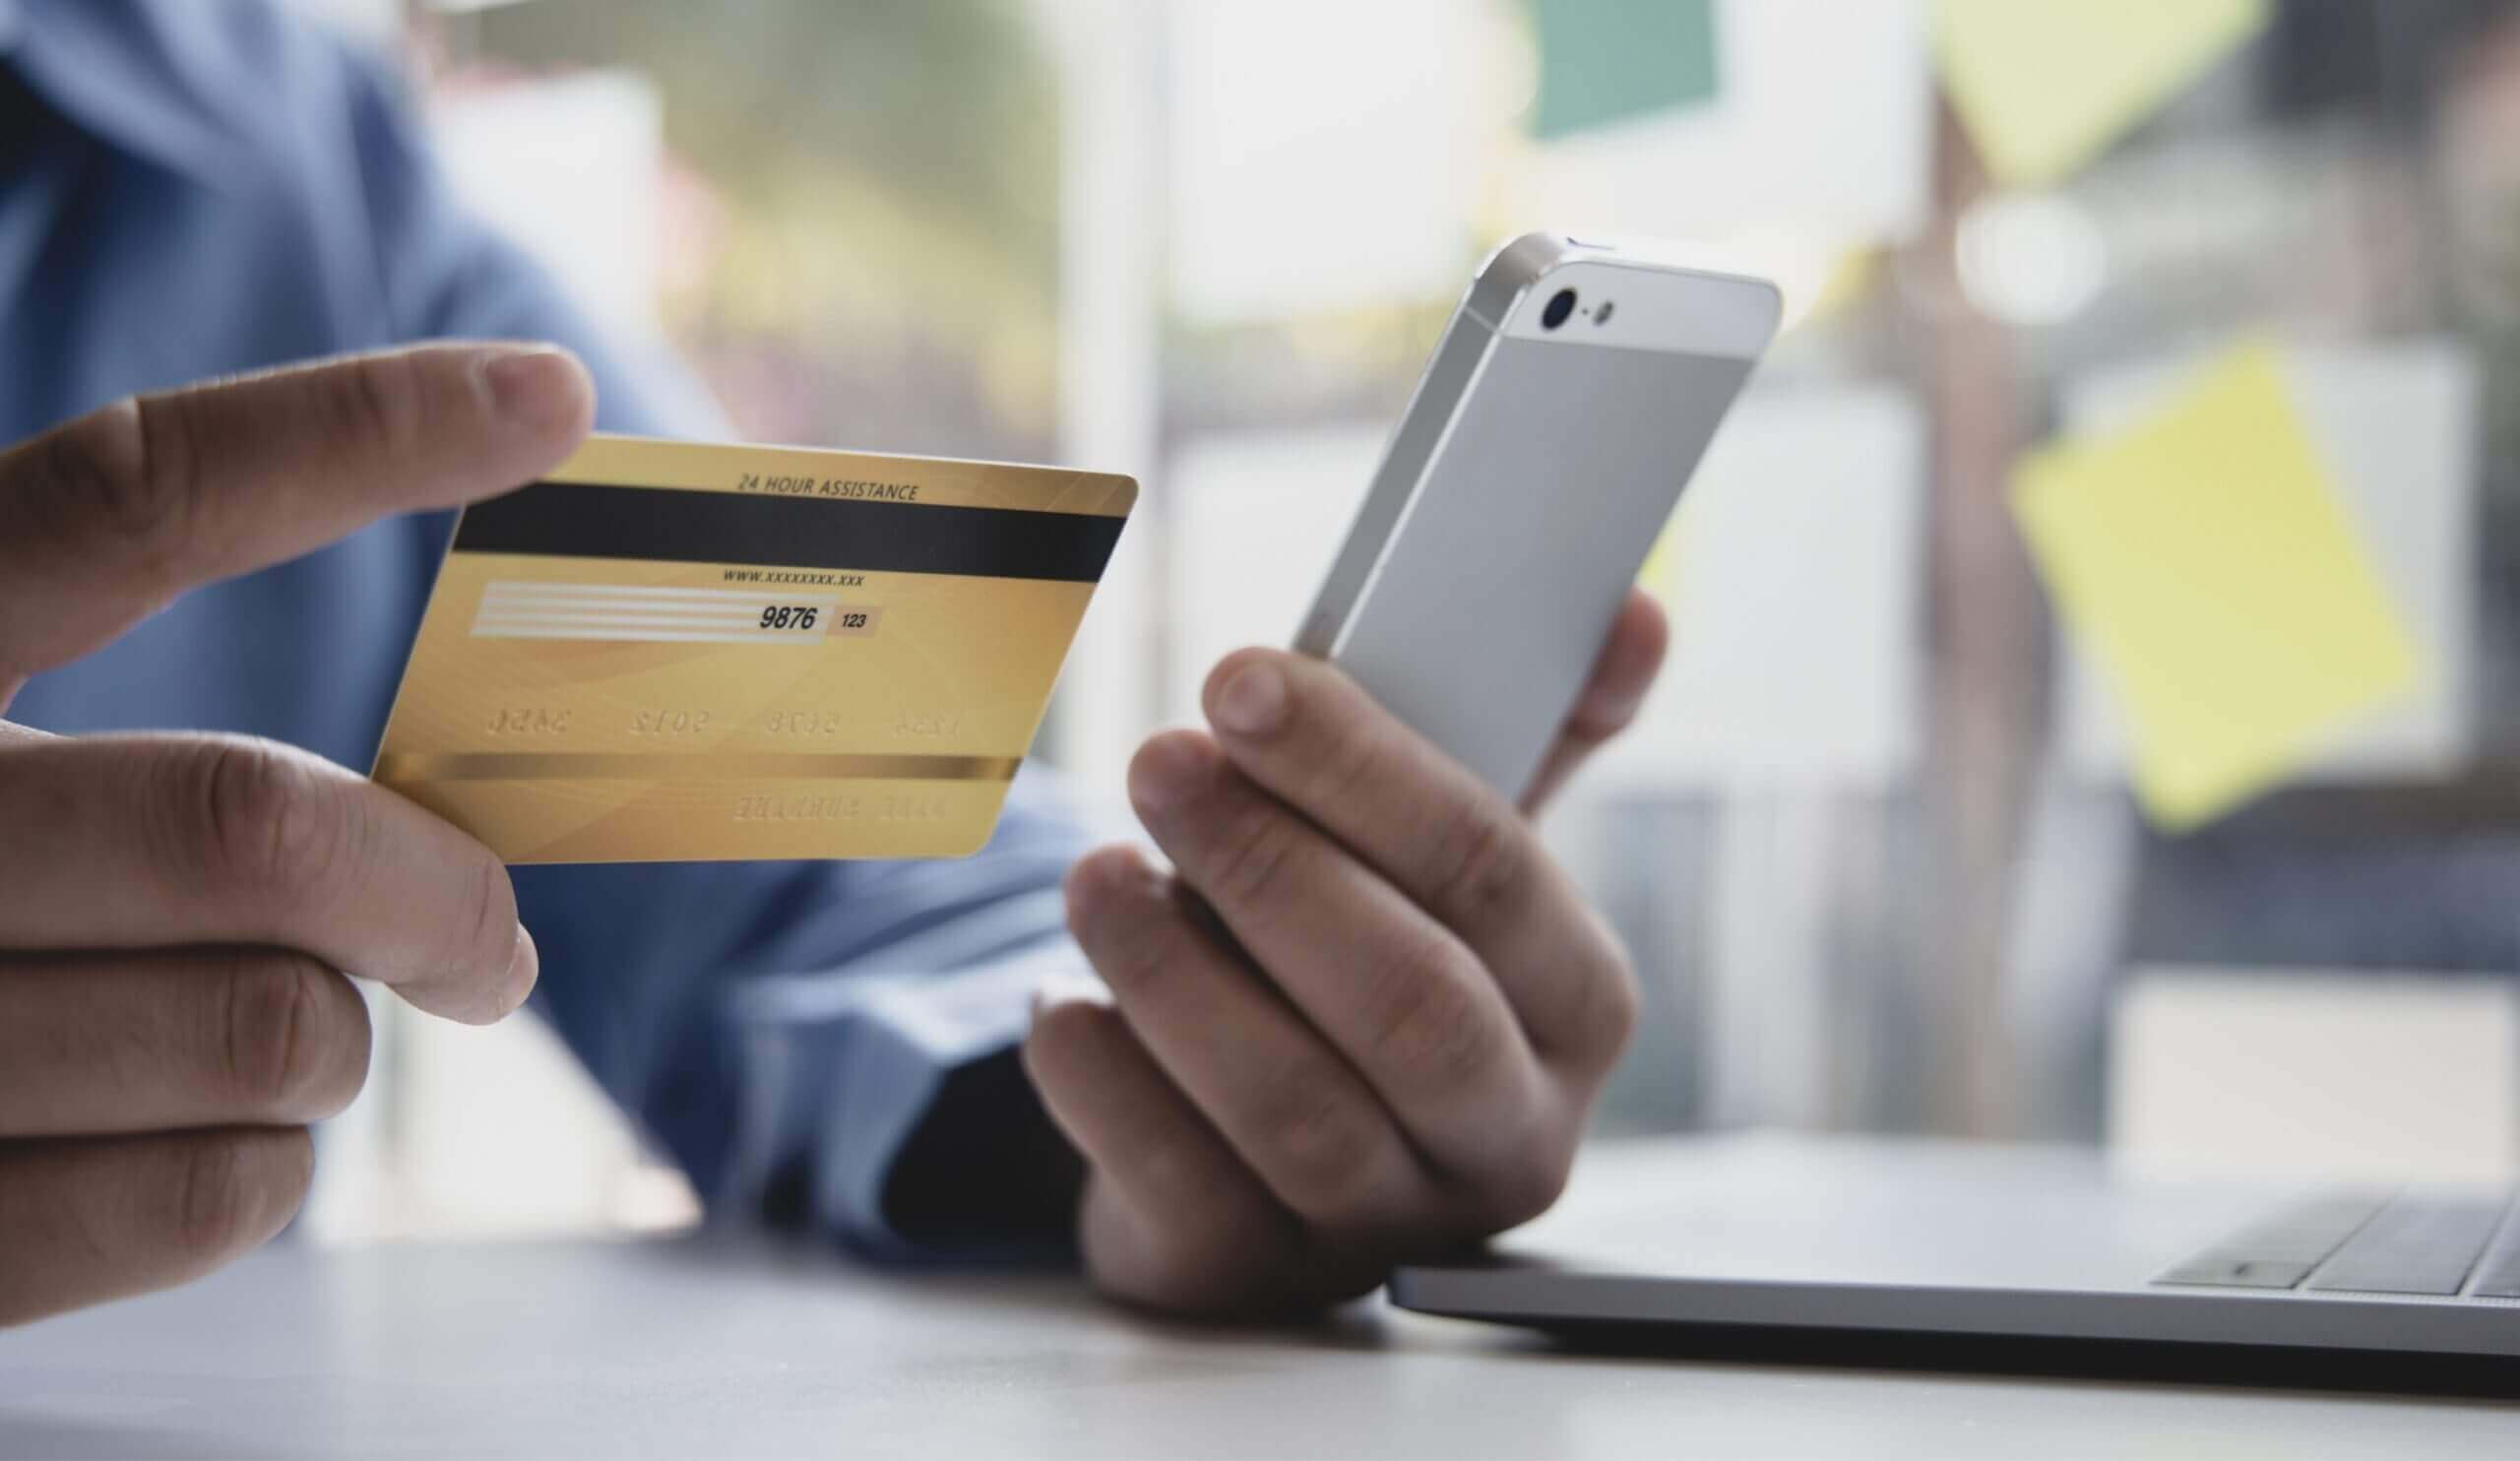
x=129, y=74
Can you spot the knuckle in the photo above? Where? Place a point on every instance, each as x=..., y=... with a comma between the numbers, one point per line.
x=1349, y=768
x=1131, y=966
x=1484, y=865
x=227, y=1189
x=116, y=479
x=373, y=401
x=1063, y=1043
x=1428, y=1025
x=1526, y=1183
x=1123, y=931
x=1257, y=852
x=1170, y=1265
x=1175, y=1165
x=1211, y=1261
x=259, y=820
x=212, y=1196
x=35, y=800
x=1095, y=888
x=1044, y=1050
x=1322, y=1150
x=1585, y=1032
x=1213, y=1255
x=1609, y=1016
x=285, y=1045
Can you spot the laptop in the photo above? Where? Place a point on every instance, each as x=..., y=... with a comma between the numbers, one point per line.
x=1764, y=1239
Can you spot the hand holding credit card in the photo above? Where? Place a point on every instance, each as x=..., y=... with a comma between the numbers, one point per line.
x=668, y=652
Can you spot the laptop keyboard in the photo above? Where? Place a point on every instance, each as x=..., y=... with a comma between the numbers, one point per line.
x=2368, y=1244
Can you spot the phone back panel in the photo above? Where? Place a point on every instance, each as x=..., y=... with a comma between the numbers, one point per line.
x=1489, y=574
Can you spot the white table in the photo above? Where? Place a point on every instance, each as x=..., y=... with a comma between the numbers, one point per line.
x=704, y=1347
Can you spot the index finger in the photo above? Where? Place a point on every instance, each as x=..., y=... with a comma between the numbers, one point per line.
x=1314, y=739
x=105, y=519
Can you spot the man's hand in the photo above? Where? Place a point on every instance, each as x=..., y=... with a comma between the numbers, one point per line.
x=1363, y=1017
x=174, y=908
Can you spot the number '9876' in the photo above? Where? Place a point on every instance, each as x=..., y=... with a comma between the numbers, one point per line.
x=790, y=617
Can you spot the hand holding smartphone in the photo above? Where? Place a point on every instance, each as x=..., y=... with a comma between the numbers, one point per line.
x=1360, y=1014
x=1564, y=409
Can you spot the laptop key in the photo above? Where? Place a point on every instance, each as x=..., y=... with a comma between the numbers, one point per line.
x=2279, y=1250
x=2501, y=1277
x=2236, y=1273
x=2411, y=1247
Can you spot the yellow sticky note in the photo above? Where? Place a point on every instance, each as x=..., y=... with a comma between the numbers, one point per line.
x=1661, y=575
x=2204, y=559
x=2042, y=86
x=1664, y=563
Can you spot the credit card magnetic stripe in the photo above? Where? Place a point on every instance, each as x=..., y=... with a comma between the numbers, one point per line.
x=588, y=520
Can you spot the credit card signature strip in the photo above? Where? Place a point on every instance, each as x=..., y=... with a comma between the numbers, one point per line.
x=524, y=589
x=632, y=634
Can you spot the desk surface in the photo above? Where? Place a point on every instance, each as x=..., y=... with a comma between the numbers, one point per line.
x=704, y=1347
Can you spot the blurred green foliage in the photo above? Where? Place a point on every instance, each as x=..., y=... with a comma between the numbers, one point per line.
x=888, y=172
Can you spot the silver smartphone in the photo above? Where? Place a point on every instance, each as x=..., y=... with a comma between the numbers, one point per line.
x=1563, y=412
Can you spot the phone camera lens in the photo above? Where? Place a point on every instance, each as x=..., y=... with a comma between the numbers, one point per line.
x=1559, y=307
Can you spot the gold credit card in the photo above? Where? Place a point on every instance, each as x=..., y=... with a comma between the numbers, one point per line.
x=669, y=652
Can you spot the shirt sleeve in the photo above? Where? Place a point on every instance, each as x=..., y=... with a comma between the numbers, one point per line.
x=827, y=1044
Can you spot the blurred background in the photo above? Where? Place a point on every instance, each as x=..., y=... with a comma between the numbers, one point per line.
x=1914, y=836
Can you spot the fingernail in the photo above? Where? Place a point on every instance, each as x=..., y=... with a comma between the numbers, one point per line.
x=525, y=967
x=1612, y=707
x=1253, y=702
x=1164, y=774
x=542, y=388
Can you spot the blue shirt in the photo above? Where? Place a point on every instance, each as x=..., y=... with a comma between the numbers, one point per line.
x=195, y=187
